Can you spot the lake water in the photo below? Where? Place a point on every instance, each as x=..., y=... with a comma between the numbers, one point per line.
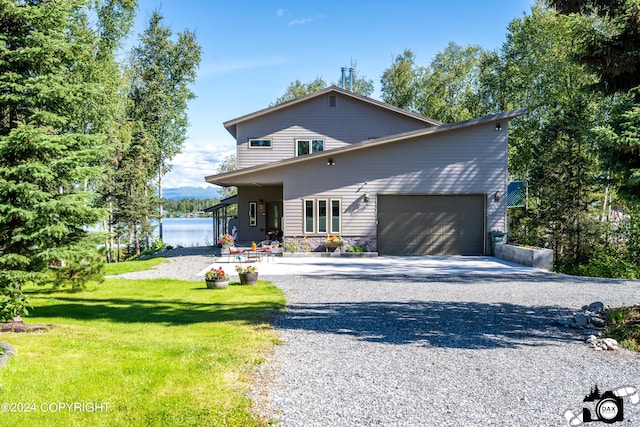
x=187, y=232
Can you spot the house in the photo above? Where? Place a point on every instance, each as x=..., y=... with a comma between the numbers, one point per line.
x=337, y=163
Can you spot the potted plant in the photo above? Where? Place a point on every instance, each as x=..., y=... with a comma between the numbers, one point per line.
x=248, y=275
x=225, y=240
x=216, y=278
x=331, y=243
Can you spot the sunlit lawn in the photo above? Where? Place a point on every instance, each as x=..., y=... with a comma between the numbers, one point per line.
x=150, y=352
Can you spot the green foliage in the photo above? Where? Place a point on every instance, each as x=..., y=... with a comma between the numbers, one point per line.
x=291, y=245
x=13, y=303
x=78, y=273
x=52, y=140
x=449, y=89
x=156, y=246
x=357, y=249
x=620, y=146
x=616, y=315
x=400, y=81
x=606, y=262
x=609, y=43
x=624, y=327
x=298, y=89
x=361, y=85
x=188, y=206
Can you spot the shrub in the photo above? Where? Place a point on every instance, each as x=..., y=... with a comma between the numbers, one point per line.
x=607, y=264
x=13, y=303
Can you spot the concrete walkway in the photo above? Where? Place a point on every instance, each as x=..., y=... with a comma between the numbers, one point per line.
x=382, y=265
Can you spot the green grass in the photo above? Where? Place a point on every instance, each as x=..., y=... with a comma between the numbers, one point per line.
x=132, y=266
x=152, y=352
x=624, y=326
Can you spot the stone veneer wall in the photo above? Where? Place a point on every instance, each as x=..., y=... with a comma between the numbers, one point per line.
x=316, y=244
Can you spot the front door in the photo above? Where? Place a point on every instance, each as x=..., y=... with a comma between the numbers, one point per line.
x=274, y=220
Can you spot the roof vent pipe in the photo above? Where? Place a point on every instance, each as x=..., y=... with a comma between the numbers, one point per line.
x=351, y=79
x=343, y=70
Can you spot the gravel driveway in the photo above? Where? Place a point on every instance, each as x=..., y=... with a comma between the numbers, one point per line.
x=450, y=350
x=432, y=350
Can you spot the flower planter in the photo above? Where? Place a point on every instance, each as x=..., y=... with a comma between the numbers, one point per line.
x=332, y=245
x=217, y=284
x=532, y=257
x=248, y=278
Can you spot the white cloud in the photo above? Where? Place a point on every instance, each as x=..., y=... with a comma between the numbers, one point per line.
x=281, y=12
x=194, y=163
x=303, y=21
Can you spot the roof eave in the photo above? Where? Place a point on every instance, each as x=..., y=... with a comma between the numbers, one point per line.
x=230, y=125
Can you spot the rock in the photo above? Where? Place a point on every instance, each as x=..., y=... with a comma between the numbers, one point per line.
x=610, y=343
x=596, y=307
x=581, y=320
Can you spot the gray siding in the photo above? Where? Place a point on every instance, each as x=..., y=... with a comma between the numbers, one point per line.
x=471, y=160
x=254, y=194
x=349, y=122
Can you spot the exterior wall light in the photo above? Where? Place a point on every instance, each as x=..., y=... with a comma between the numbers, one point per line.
x=330, y=161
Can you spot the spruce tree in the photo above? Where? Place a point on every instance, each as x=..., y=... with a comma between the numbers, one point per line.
x=49, y=154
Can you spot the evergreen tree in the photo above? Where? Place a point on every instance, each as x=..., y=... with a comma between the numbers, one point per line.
x=609, y=34
x=610, y=43
x=49, y=154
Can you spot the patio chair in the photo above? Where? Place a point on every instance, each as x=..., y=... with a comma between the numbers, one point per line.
x=265, y=249
x=232, y=251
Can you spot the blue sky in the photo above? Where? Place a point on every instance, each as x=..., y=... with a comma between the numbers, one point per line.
x=253, y=50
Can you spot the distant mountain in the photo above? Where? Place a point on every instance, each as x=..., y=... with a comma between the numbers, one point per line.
x=190, y=193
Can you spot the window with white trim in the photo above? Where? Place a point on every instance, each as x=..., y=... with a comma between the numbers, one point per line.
x=260, y=143
x=309, y=146
x=335, y=216
x=309, y=215
x=322, y=216
x=253, y=214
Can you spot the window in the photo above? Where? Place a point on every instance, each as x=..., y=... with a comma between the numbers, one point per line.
x=309, y=146
x=308, y=216
x=332, y=101
x=322, y=216
x=335, y=216
x=253, y=214
x=259, y=143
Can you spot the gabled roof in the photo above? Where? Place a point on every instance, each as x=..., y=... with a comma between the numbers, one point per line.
x=230, y=125
x=505, y=116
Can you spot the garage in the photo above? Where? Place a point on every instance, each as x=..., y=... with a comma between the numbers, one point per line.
x=431, y=224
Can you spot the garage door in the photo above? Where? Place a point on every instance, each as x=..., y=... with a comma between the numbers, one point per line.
x=431, y=225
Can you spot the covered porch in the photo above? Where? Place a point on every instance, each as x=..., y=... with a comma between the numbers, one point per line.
x=222, y=218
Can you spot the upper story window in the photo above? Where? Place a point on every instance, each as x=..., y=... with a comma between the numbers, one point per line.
x=259, y=143
x=308, y=146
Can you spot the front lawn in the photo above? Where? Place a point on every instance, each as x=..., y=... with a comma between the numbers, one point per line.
x=139, y=353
